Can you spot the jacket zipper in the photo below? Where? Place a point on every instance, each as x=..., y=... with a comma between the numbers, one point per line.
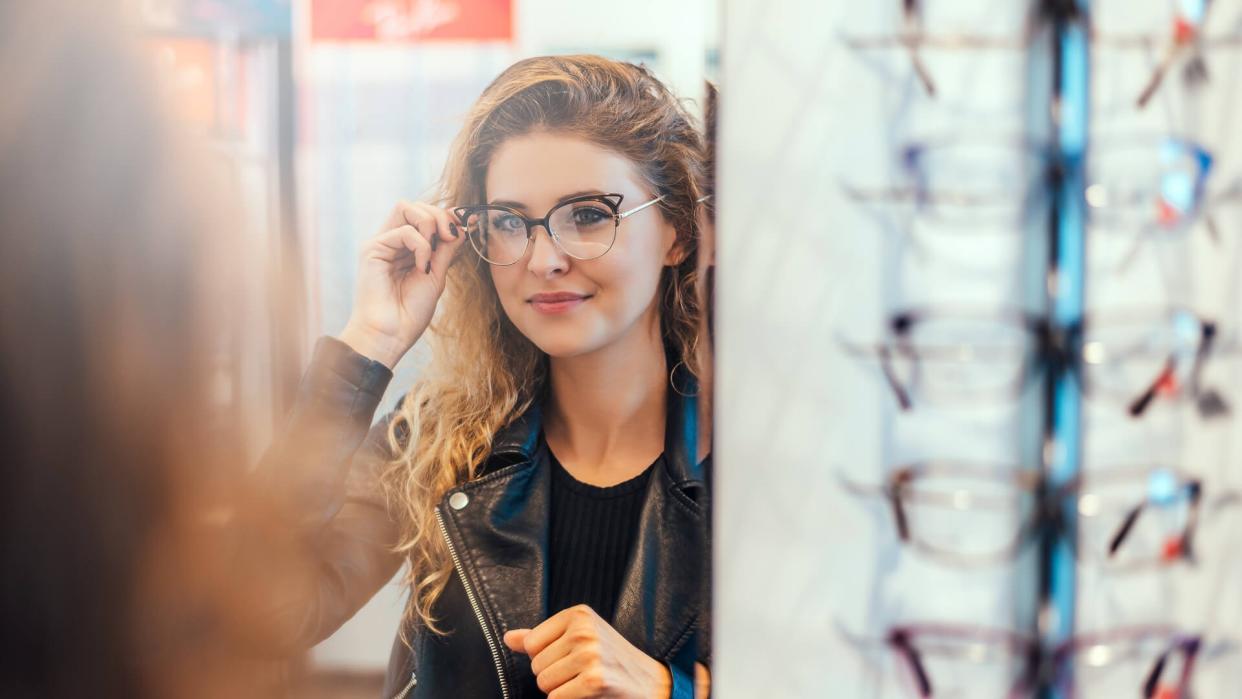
x=409, y=685
x=474, y=604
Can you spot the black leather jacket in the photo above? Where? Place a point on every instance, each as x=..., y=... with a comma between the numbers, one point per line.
x=323, y=470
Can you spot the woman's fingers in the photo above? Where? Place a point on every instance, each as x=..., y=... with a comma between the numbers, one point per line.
x=551, y=665
x=437, y=226
x=561, y=672
x=443, y=220
x=425, y=223
x=579, y=687
x=405, y=212
x=516, y=639
x=444, y=253
x=552, y=628
x=555, y=651
x=402, y=242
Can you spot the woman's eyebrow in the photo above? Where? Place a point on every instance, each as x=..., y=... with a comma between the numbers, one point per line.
x=519, y=205
x=506, y=202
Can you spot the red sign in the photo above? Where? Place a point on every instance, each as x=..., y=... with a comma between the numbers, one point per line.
x=411, y=20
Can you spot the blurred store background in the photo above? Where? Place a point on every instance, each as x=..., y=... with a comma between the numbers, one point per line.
x=327, y=113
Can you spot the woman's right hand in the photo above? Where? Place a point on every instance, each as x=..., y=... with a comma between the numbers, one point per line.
x=401, y=275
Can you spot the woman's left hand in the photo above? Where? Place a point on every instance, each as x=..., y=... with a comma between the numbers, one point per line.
x=575, y=653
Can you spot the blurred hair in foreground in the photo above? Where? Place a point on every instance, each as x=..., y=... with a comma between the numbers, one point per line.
x=117, y=579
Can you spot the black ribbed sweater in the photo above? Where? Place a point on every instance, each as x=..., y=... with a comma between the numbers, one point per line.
x=591, y=536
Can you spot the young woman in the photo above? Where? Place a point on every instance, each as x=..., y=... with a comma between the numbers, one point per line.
x=545, y=479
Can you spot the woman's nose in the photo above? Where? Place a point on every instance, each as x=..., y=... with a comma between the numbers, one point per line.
x=546, y=257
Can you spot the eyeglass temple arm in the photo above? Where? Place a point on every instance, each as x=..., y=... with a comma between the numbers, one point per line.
x=893, y=493
x=884, y=355
x=911, y=37
x=1190, y=648
x=1208, y=335
x=1210, y=402
x=1152, y=683
x=1195, y=488
x=1123, y=531
x=640, y=207
x=1172, y=50
x=1157, y=77
x=901, y=643
x=1187, y=539
x=896, y=497
x=886, y=364
x=1184, y=551
x=1140, y=404
x=1206, y=339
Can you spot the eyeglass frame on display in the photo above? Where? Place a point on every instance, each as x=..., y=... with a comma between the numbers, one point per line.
x=1048, y=507
x=1067, y=349
x=1202, y=205
x=924, y=198
x=912, y=37
x=1185, y=36
x=1039, y=661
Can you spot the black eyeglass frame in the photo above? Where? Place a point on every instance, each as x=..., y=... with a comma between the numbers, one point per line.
x=612, y=201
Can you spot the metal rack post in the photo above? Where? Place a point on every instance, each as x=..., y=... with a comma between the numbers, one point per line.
x=1065, y=288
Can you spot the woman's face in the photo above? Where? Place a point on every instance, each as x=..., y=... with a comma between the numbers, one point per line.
x=613, y=296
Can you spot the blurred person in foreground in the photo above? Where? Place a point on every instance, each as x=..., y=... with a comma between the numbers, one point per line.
x=118, y=576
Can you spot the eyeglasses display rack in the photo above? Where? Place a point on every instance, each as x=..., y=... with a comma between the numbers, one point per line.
x=999, y=433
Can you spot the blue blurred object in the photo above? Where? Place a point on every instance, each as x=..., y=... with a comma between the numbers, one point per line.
x=273, y=18
x=1163, y=487
x=1192, y=11
x=1186, y=167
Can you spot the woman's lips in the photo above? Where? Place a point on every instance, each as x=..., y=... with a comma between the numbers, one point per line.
x=556, y=303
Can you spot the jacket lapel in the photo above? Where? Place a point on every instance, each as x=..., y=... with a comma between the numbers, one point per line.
x=503, y=529
x=661, y=590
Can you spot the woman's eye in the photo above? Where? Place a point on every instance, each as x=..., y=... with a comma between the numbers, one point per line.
x=590, y=216
x=508, y=223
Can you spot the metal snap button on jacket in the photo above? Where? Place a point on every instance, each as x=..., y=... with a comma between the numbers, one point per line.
x=458, y=500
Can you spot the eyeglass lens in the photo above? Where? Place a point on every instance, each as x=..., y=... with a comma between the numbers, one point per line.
x=583, y=229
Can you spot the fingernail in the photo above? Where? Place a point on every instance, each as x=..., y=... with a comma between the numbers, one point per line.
x=453, y=229
x=428, y=270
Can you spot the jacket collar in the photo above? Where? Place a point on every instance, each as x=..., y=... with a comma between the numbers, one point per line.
x=503, y=532
x=519, y=440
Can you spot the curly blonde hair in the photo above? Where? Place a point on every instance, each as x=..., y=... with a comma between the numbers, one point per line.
x=483, y=372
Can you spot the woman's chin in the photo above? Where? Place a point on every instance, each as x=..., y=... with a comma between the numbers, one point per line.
x=562, y=345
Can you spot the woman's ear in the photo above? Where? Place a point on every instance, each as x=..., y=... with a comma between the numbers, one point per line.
x=676, y=255
x=678, y=251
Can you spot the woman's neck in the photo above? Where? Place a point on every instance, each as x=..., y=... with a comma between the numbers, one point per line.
x=605, y=417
